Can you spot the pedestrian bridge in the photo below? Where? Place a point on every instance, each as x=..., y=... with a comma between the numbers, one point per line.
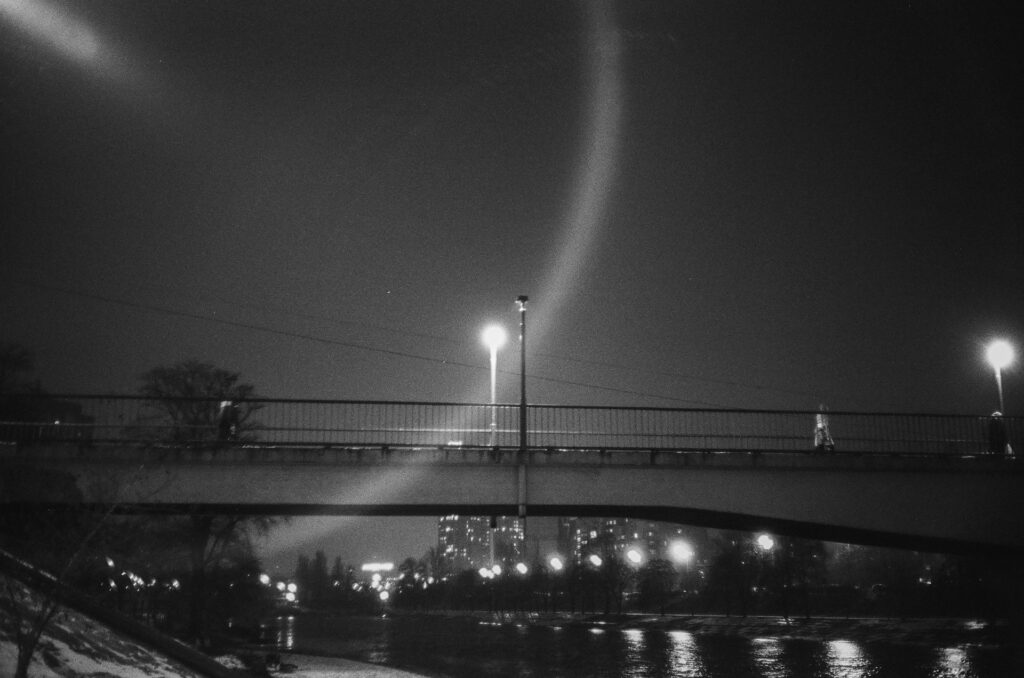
x=918, y=481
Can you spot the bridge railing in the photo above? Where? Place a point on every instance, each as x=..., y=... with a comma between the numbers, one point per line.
x=86, y=419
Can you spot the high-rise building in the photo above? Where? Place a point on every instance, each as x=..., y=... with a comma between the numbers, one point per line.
x=471, y=542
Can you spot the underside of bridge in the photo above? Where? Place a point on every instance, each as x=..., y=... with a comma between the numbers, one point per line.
x=964, y=504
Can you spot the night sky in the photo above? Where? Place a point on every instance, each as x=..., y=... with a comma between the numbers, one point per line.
x=723, y=204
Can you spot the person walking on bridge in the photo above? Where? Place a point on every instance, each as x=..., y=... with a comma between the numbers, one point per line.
x=822, y=436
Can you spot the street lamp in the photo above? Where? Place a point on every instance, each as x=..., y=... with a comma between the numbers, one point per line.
x=634, y=556
x=999, y=355
x=494, y=338
x=681, y=552
x=765, y=542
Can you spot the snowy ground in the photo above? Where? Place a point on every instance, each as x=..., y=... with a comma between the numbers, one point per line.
x=76, y=645
x=306, y=666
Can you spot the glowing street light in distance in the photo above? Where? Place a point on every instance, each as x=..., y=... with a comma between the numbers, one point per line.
x=595, y=560
x=494, y=337
x=681, y=552
x=765, y=542
x=634, y=556
x=999, y=354
x=556, y=563
x=521, y=568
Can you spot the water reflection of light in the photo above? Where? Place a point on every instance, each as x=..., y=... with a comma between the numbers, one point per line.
x=685, y=658
x=597, y=631
x=952, y=662
x=286, y=632
x=846, y=660
x=768, y=657
x=634, y=655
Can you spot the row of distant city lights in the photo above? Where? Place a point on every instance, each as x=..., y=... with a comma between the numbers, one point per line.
x=289, y=590
x=680, y=552
x=136, y=581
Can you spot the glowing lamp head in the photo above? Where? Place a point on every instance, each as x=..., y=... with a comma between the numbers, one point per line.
x=494, y=337
x=556, y=563
x=765, y=542
x=595, y=560
x=521, y=568
x=681, y=552
x=634, y=556
x=999, y=354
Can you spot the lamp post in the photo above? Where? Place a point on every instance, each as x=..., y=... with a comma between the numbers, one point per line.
x=999, y=355
x=521, y=301
x=682, y=554
x=494, y=338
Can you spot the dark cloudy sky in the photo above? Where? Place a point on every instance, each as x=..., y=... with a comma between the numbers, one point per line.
x=738, y=204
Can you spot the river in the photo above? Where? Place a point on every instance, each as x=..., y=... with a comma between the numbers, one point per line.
x=467, y=647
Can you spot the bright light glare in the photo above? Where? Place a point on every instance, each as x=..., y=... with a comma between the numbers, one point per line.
x=378, y=567
x=634, y=556
x=496, y=570
x=556, y=563
x=54, y=26
x=999, y=354
x=494, y=337
x=766, y=542
x=521, y=568
x=595, y=560
x=681, y=552
x=265, y=579
x=292, y=588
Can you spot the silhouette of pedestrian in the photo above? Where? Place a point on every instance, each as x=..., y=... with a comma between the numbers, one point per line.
x=227, y=421
x=822, y=436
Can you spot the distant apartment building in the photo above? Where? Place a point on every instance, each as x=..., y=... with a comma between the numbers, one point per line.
x=465, y=542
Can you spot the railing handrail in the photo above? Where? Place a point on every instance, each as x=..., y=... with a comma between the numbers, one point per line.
x=508, y=405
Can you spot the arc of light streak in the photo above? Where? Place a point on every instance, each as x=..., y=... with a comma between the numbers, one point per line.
x=597, y=164
x=69, y=36
x=598, y=159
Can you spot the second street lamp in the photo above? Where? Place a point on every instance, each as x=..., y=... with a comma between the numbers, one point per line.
x=999, y=355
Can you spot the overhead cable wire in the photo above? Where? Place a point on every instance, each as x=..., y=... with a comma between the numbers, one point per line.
x=334, y=342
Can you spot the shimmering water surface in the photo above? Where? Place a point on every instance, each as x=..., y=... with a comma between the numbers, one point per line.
x=464, y=648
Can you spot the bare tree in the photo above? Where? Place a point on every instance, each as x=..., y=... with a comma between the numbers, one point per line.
x=50, y=533
x=188, y=401
x=187, y=398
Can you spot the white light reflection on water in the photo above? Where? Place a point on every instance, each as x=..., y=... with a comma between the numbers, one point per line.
x=846, y=660
x=767, y=654
x=634, y=662
x=285, y=632
x=686, y=661
x=952, y=662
